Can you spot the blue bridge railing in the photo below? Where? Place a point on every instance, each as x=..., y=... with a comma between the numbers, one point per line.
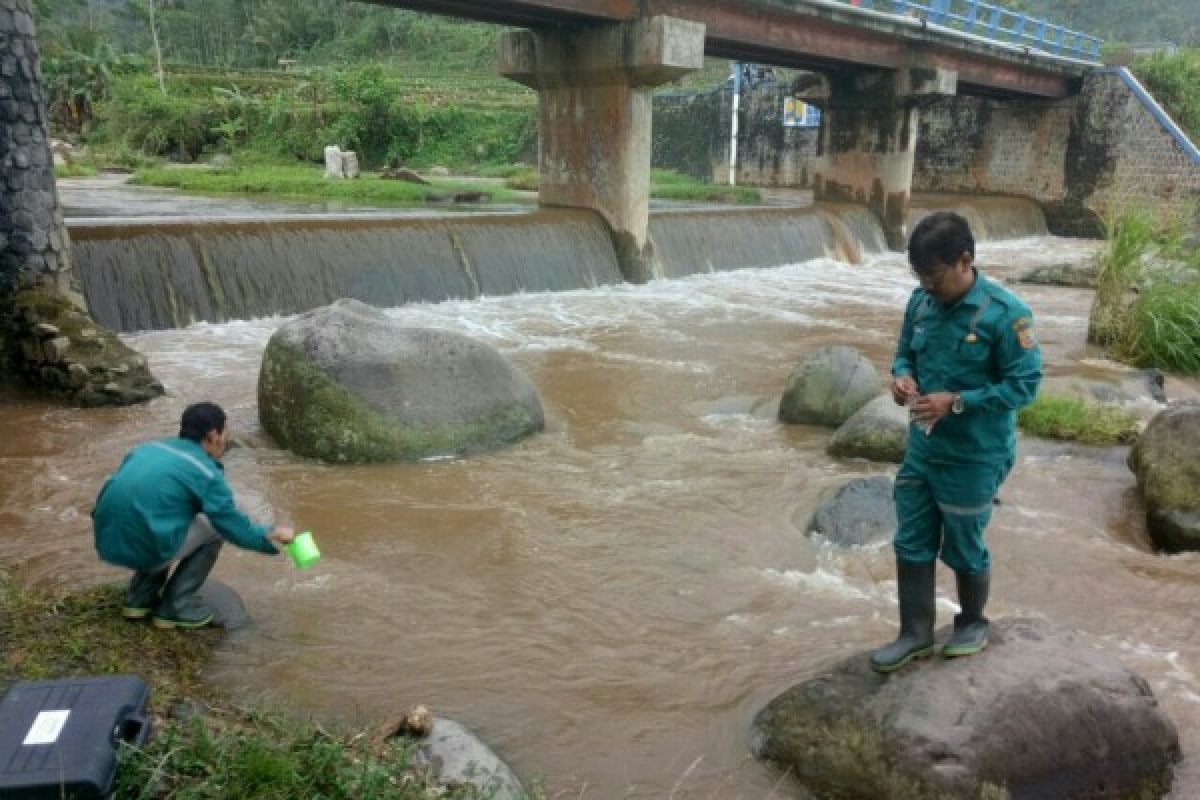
x=994, y=22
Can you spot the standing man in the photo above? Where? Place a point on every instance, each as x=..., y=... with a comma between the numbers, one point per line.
x=148, y=516
x=967, y=360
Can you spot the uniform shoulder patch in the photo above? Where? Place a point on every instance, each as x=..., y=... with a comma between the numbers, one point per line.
x=1023, y=327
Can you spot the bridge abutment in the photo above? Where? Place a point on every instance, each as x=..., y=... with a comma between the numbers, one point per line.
x=595, y=88
x=868, y=141
x=46, y=334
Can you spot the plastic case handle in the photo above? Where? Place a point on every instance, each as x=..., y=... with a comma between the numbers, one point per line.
x=133, y=730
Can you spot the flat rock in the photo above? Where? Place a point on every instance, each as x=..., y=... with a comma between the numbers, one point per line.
x=455, y=755
x=230, y=611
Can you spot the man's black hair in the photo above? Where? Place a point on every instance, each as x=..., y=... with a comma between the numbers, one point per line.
x=199, y=419
x=942, y=238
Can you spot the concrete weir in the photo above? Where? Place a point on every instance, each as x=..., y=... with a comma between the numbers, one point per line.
x=143, y=274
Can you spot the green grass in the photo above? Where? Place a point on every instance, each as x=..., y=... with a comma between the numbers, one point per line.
x=1146, y=316
x=76, y=169
x=1165, y=327
x=670, y=185
x=306, y=181
x=221, y=751
x=1071, y=419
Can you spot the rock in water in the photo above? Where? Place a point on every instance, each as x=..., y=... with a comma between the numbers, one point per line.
x=877, y=432
x=1040, y=714
x=346, y=383
x=861, y=513
x=828, y=386
x=1166, y=460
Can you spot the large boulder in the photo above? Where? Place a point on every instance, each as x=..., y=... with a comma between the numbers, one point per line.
x=1166, y=460
x=828, y=386
x=862, y=512
x=1040, y=714
x=346, y=383
x=877, y=432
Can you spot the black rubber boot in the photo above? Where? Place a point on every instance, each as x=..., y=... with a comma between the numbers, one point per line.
x=971, y=626
x=917, y=590
x=179, y=607
x=142, y=597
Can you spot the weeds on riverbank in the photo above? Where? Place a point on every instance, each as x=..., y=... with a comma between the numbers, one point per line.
x=1147, y=305
x=1071, y=419
x=74, y=170
x=204, y=747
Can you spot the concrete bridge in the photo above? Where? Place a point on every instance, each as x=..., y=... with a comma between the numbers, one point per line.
x=595, y=64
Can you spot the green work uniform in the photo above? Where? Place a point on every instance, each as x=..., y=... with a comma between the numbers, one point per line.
x=983, y=349
x=143, y=512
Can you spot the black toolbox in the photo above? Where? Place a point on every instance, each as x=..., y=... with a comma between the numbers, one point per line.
x=59, y=739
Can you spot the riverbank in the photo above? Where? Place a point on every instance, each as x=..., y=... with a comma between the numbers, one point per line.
x=303, y=181
x=204, y=745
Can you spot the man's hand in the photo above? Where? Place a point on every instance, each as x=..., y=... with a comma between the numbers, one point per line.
x=282, y=535
x=932, y=407
x=904, y=388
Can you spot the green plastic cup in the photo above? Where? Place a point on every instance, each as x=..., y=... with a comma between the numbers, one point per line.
x=303, y=550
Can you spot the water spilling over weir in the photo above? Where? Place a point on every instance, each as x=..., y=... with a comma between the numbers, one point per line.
x=147, y=274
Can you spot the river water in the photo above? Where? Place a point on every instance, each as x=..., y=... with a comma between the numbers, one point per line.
x=610, y=602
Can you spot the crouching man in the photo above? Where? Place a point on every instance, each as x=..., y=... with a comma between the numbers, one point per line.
x=169, y=504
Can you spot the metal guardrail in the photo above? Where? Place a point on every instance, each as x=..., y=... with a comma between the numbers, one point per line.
x=994, y=22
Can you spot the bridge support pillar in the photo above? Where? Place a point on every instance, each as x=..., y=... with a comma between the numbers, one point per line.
x=869, y=140
x=595, y=90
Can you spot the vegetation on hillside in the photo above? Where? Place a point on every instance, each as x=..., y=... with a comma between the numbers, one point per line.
x=1174, y=80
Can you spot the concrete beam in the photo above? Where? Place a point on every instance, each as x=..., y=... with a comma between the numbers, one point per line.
x=833, y=36
x=595, y=115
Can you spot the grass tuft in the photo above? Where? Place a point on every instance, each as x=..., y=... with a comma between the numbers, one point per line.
x=305, y=181
x=1071, y=419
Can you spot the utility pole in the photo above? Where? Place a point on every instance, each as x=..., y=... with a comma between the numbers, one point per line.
x=733, y=141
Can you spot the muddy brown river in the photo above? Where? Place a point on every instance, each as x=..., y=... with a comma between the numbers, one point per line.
x=610, y=602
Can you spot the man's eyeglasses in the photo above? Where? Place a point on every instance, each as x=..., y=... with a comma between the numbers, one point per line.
x=930, y=278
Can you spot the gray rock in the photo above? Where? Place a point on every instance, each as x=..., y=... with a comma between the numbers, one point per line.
x=221, y=161
x=1166, y=460
x=403, y=174
x=77, y=375
x=346, y=383
x=1137, y=388
x=1074, y=276
x=230, y=612
x=877, y=432
x=828, y=386
x=1040, y=713
x=455, y=755
x=440, y=172
x=862, y=512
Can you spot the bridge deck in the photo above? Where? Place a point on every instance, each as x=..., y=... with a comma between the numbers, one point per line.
x=813, y=34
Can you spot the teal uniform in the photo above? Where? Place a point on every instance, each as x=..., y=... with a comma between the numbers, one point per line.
x=143, y=512
x=982, y=348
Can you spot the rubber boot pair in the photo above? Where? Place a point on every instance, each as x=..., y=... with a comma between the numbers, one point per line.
x=179, y=607
x=144, y=593
x=917, y=591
